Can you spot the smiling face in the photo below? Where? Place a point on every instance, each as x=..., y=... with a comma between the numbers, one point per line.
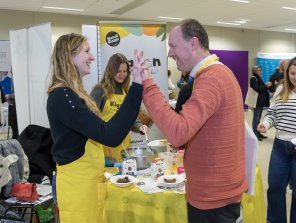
x=180, y=50
x=83, y=59
x=292, y=75
x=121, y=73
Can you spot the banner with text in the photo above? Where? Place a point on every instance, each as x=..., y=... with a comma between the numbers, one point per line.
x=270, y=61
x=124, y=37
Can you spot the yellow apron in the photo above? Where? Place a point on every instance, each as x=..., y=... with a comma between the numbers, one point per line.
x=81, y=187
x=111, y=107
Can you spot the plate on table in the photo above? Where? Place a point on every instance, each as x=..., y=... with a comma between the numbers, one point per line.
x=122, y=180
x=170, y=180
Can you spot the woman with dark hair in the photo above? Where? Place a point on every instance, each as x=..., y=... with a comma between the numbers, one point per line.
x=109, y=95
x=261, y=88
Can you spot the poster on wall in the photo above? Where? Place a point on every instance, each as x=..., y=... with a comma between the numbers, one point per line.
x=5, y=67
x=5, y=58
x=5, y=81
x=270, y=61
x=124, y=37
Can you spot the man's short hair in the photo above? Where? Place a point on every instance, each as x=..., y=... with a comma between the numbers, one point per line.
x=192, y=28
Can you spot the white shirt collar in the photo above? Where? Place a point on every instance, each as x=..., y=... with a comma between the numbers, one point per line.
x=200, y=63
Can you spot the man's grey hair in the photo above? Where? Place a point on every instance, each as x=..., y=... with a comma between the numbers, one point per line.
x=254, y=69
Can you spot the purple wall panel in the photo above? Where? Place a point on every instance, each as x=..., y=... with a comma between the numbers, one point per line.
x=237, y=61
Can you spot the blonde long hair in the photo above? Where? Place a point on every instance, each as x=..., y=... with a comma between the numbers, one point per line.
x=108, y=83
x=287, y=84
x=64, y=72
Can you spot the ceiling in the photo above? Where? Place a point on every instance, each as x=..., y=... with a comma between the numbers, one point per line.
x=260, y=14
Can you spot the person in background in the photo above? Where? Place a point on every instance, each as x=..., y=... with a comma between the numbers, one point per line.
x=109, y=95
x=184, y=94
x=184, y=79
x=12, y=116
x=7, y=88
x=78, y=131
x=281, y=114
x=277, y=76
x=261, y=88
x=214, y=157
x=3, y=100
x=171, y=86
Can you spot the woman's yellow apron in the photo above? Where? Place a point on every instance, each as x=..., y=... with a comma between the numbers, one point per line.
x=81, y=188
x=111, y=107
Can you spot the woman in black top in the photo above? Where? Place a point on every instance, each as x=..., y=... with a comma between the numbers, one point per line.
x=78, y=131
x=260, y=87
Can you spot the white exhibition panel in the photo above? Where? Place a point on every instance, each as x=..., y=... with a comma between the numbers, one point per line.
x=19, y=61
x=40, y=50
x=30, y=55
x=90, y=31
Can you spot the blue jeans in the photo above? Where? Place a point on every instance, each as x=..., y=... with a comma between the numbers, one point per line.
x=257, y=113
x=282, y=170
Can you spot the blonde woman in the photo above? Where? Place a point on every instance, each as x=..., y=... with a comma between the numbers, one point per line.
x=78, y=131
x=281, y=114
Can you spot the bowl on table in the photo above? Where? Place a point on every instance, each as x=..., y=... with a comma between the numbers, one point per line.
x=142, y=155
x=159, y=145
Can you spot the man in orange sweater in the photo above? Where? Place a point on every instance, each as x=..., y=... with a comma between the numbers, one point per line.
x=211, y=124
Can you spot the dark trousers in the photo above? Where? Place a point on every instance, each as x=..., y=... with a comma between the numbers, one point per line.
x=226, y=214
x=282, y=170
x=257, y=113
x=12, y=120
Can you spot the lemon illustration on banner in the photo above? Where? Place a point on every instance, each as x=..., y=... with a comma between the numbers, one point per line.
x=154, y=30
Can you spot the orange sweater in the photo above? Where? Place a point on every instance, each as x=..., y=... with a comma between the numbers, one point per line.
x=212, y=123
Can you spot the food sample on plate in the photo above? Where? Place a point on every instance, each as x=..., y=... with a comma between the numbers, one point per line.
x=170, y=180
x=123, y=180
x=140, y=183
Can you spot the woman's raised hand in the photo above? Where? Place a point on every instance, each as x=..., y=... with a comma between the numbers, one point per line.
x=140, y=71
